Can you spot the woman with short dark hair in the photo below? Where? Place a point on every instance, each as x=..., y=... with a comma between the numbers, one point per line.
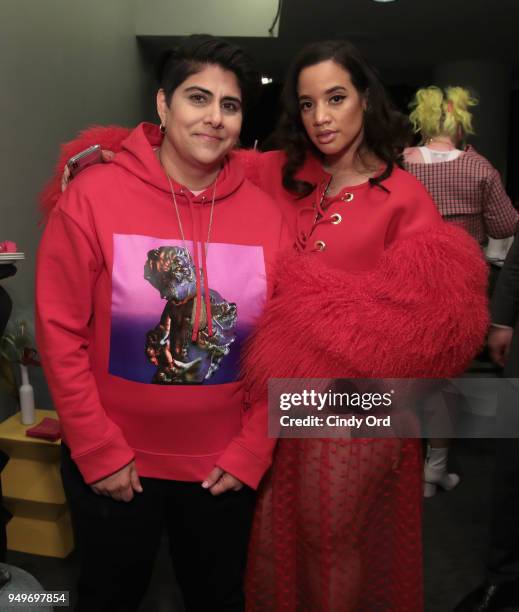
x=151, y=272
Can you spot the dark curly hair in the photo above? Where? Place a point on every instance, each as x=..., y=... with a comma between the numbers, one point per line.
x=385, y=130
x=199, y=50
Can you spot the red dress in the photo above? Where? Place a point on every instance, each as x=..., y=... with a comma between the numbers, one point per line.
x=380, y=287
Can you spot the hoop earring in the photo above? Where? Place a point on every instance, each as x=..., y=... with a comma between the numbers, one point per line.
x=162, y=128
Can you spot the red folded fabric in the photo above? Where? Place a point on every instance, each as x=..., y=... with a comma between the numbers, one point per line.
x=48, y=429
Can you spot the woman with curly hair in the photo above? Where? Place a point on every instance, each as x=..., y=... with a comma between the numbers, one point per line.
x=375, y=286
x=374, y=289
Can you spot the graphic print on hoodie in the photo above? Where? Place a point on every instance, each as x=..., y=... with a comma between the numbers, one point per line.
x=154, y=338
x=183, y=349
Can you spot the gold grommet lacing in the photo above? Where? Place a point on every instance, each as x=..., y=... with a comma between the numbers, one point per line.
x=319, y=245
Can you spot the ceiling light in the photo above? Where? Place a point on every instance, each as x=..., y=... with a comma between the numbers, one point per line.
x=265, y=80
x=383, y=0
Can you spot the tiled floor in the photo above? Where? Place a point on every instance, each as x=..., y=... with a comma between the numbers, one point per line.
x=455, y=536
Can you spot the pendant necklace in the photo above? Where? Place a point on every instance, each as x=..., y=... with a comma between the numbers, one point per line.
x=179, y=220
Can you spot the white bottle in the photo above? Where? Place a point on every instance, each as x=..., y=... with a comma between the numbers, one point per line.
x=27, y=410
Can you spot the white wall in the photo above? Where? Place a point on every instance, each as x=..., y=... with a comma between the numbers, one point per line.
x=217, y=17
x=64, y=65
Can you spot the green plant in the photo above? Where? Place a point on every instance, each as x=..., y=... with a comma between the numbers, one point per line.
x=15, y=348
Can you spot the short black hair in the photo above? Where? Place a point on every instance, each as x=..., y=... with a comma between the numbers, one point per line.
x=199, y=50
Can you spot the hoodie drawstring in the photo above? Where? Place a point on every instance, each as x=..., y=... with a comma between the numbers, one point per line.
x=199, y=242
x=204, y=245
x=206, y=292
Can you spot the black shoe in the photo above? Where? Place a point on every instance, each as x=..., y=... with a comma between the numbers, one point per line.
x=491, y=597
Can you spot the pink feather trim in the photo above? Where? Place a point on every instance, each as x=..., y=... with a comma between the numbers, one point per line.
x=110, y=139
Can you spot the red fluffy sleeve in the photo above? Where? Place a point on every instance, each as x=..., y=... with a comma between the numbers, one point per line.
x=422, y=313
x=109, y=137
x=251, y=161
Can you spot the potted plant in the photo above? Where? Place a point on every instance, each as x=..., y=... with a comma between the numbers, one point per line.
x=16, y=348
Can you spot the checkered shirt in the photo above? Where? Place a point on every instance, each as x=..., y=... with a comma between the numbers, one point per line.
x=468, y=191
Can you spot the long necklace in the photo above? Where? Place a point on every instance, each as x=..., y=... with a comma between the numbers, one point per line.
x=180, y=220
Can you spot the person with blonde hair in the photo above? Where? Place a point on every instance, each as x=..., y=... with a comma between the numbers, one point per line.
x=468, y=192
x=466, y=188
x=437, y=113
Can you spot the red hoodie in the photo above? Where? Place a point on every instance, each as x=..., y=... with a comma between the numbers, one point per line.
x=141, y=349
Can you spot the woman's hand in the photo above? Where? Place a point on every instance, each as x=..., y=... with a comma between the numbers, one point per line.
x=220, y=481
x=120, y=485
x=106, y=156
x=499, y=342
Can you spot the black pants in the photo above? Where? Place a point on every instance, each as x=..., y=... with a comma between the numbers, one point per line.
x=117, y=542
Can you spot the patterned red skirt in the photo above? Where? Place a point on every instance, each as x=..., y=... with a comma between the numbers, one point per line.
x=338, y=522
x=338, y=528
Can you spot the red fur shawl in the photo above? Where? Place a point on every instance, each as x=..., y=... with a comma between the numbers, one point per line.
x=421, y=313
